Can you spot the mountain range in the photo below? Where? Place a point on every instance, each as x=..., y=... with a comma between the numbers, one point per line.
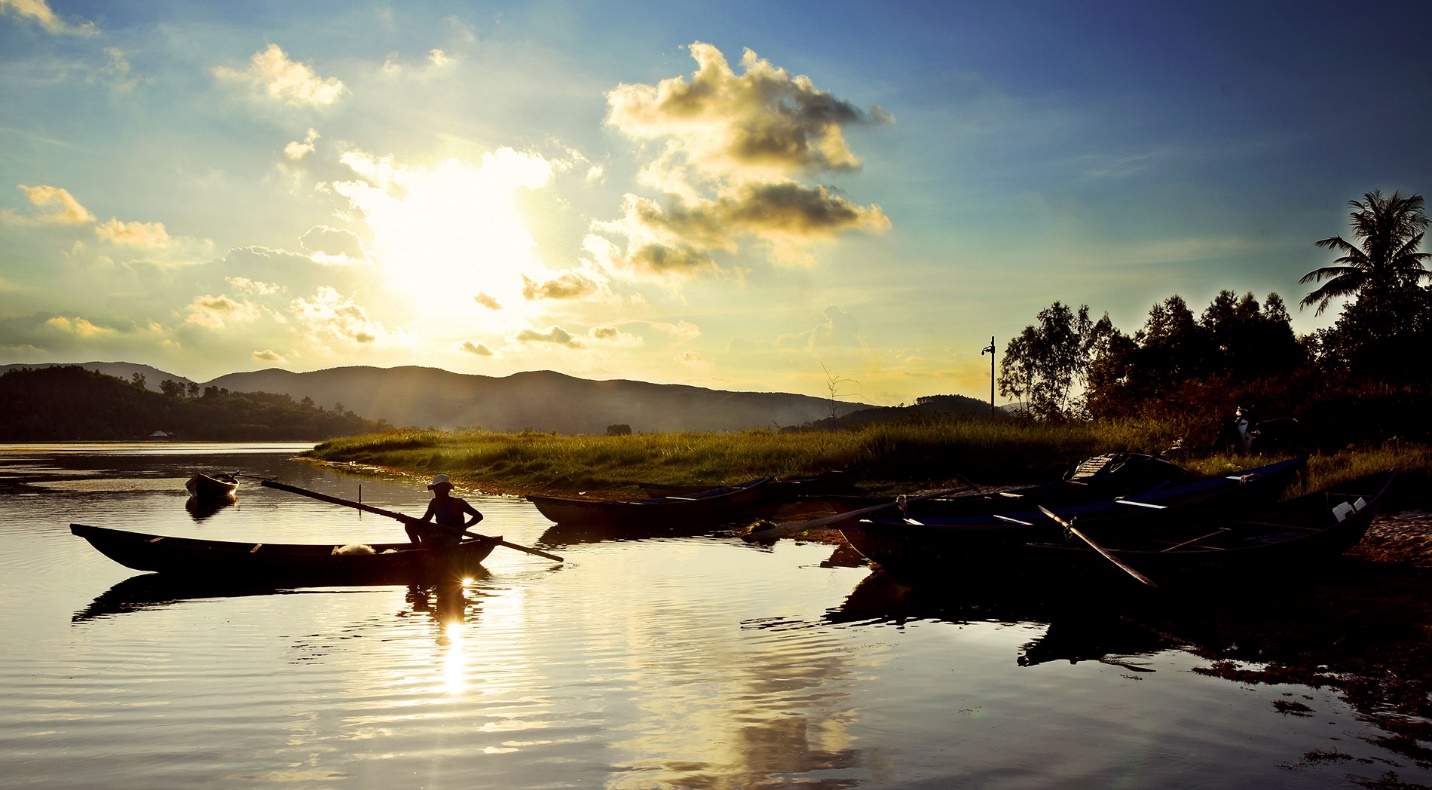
x=537, y=400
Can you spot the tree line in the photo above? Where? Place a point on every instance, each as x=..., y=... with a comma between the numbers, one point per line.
x=67, y=403
x=1364, y=378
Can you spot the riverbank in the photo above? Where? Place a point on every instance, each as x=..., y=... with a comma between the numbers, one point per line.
x=894, y=458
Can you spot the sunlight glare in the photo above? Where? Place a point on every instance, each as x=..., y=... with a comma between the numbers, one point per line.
x=447, y=234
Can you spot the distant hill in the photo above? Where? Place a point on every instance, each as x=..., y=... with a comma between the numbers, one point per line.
x=925, y=408
x=538, y=400
x=123, y=370
x=64, y=403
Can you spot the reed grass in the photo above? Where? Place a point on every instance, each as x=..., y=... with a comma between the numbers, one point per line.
x=900, y=456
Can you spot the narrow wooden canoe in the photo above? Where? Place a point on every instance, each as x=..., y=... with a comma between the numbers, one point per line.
x=216, y=487
x=701, y=506
x=779, y=489
x=287, y=563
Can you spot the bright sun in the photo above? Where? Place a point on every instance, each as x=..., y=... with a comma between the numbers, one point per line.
x=452, y=234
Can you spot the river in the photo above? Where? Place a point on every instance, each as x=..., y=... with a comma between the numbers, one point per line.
x=689, y=660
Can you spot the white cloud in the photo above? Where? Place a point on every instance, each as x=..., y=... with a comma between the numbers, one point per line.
x=40, y=11
x=149, y=235
x=215, y=312
x=681, y=329
x=333, y=245
x=268, y=355
x=331, y=315
x=296, y=150
x=275, y=77
x=478, y=349
x=54, y=206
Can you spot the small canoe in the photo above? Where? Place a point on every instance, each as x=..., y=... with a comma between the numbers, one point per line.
x=300, y=565
x=212, y=487
x=699, y=506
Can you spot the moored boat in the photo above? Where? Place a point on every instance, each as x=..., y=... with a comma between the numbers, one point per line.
x=1239, y=546
x=212, y=487
x=708, y=505
x=779, y=489
x=944, y=544
x=287, y=563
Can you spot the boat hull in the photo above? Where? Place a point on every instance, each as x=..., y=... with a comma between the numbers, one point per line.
x=699, y=507
x=211, y=487
x=286, y=563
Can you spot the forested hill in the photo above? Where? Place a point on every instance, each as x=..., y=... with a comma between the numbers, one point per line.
x=538, y=400
x=72, y=403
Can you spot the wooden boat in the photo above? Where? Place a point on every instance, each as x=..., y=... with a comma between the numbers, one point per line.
x=942, y=545
x=302, y=565
x=1232, y=546
x=708, y=505
x=780, y=489
x=1100, y=477
x=212, y=487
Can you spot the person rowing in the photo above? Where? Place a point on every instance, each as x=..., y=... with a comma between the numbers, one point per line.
x=446, y=518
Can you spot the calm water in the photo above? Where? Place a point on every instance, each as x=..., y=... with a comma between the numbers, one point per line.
x=693, y=661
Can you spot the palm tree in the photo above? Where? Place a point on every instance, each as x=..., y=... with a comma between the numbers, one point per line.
x=1388, y=231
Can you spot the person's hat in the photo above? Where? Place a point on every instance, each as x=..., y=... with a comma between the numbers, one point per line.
x=440, y=480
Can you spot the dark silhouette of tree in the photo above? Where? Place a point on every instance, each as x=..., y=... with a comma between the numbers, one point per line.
x=1044, y=364
x=1249, y=341
x=171, y=388
x=619, y=429
x=1388, y=232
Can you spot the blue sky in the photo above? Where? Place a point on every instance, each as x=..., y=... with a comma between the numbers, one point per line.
x=750, y=196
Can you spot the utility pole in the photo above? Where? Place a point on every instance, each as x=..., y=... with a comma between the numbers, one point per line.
x=990, y=350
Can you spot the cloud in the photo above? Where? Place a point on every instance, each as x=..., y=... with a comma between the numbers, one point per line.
x=268, y=355
x=612, y=336
x=690, y=358
x=149, y=235
x=479, y=349
x=682, y=329
x=487, y=301
x=330, y=314
x=765, y=122
x=735, y=146
x=556, y=336
x=115, y=72
x=439, y=58
x=567, y=285
x=837, y=328
x=79, y=327
x=54, y=206
x=296, y=151
x=333, y=245
x=279, y=79
x=40, y=11
x=245, y=285
x=214, y=312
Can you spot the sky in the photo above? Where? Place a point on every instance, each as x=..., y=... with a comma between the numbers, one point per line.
x=807, y=197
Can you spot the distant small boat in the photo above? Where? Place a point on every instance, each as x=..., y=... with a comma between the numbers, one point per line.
x=705, y=505
x=288, y=564
x=212, y=487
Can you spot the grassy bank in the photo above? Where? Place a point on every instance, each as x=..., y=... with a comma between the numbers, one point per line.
x=900, y=456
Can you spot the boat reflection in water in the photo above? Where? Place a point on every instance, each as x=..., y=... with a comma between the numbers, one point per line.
x=1350, y=627
x=446, y=603
x=202, y=508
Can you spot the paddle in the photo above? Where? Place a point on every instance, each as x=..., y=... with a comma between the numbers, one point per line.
x=406, y=519
x=1103, y=552
x=779, y=531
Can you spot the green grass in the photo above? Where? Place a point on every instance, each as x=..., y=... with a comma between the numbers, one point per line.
x=901, y=456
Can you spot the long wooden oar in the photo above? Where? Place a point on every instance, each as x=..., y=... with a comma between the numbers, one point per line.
x=781, y=530
x=406, y=519
x=1103, y=552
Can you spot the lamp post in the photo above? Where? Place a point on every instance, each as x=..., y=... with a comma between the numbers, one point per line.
x=990, y=350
